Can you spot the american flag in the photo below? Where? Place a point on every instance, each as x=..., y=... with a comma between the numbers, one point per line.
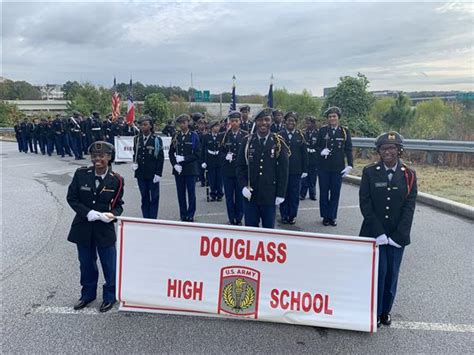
x=130, y=106
x=115, y=102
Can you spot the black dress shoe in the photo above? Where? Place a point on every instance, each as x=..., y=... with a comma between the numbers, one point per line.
x=386, y=319
x=284, y=221
x=333, y=222
x=379, y=322
x=106, y=306
x=313, y=198
x=325, y=222
x=302, y=198
x=292, y=220
x=219, y=199
x=81, y=304
x=190, y=219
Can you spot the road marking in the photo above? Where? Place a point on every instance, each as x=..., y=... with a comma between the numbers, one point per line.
x=442, y=327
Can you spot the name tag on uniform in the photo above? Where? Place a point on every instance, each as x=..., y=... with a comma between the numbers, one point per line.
x=380, y=184
x=85, y=188
x=339, y=139
x=188, y=142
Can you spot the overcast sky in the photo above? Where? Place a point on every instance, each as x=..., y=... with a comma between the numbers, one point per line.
x=400, y=46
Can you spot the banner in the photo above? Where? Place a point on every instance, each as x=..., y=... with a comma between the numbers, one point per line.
x=250, y=273
x=124, y=148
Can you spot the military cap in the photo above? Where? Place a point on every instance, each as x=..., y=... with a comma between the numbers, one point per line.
x=333, y=109
x=234, y=114
x=264, y=113
x=311, y=119
x=214, y=123
x=109, y=114
x=196, y=116
x=244, y=107
x=391, y=137
x=101, y=147
x=145, y=118
x=291, y=114
x=95, y=113
x=183, y=117
x=277, y=112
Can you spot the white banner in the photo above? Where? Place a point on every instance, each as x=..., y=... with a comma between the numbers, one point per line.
x=261, y=274
x=124, y=148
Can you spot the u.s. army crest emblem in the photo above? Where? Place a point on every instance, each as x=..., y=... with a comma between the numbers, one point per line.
x=239, y=291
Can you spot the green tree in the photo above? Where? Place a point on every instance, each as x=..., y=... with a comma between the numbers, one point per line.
x=430, y=121
x=19, y=90
x=400, y=114
x=89, y=98
x=380, y=108
x=304, y=103
x=157, y=106
x=9, y=114
x=70, y=89
x=178, y=105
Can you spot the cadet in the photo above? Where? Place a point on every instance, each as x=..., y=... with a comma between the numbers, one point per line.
x=43, y=135
x=107, y=129
x=95, y=194
x=51, y=137
x=94, y=128
x=184, y=156
x=308, y=184
x=67, y=136
x=212, y=162
x=231, y=142
x=148, y=159
x=18, y=136
x=202, y=129
x=387, y=198
x=59, y=136
x=298, y=168
x=262, y=172
x=25, y=134
x=245, y=123
x=76, y=135
x=169, y=130
x=333, y=145
x=277, y=124
x=35, y=134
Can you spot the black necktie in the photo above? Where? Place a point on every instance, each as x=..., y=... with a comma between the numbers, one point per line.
x=390, y=173
x=262, y=141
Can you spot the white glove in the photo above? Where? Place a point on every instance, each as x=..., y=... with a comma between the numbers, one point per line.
x=229, y=156
x=106, y=217
x=156, y=178
x=325, y=152
x=393, y=244
x=93, y=215
x=134, y=166
x=279, y=200
x=381, y=239
x=178, y=168
x=304, y=175
x=179, y=158
x=346, y=170
x=247, y=193
x=204, y=165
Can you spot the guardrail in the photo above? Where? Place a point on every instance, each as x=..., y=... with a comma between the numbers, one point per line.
x=422, y=145
x=6, y=129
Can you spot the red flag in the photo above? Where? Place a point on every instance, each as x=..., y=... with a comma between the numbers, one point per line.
x=115, y=102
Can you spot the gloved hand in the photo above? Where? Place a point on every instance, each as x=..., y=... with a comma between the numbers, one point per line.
x=325, y=152
x=279, y=200
x=204, y=165
x=304, y=175
x=346, y=170
x=381, y=239
x=93, y=215
x=106, y=217
x=229, y=156
x=247, y=193
x=178, y=168
x=134, y=166
x=156, y=178
x=393, y=244
x=179, y=158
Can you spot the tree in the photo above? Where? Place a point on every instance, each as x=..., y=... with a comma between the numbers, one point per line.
x=157, y=107
x=355, y=101
x=88, y=98
x=9, y=114
x=380, y=108
x=70, y=89
x=18, y=90
x=304, y=103
x=430, y=121
x=400, y=114
x=178, y=105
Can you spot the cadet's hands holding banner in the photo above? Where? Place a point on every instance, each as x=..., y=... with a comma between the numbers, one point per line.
x=279, y=200
x=156, y=178
x=247, y=193
x=178, y=168
x=93, y=215
x=381, y=239
x=346, y=170
x=106, y=217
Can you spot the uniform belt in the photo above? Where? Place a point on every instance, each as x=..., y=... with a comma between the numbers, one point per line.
x=310, y=150
x=213, y=152
x=96, y=129
x=76, y=130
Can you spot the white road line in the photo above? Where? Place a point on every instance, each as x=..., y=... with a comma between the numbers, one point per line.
x=441, y=327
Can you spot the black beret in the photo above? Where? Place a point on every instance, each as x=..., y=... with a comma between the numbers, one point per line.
x=145, y=118
x=311, y=119
x=333, y=109
x=291, y=114
x=264, y=113
x=196, y=116
x=391, y=137
x=277, y=112
x=95, y=113
x=101, y=147
x=234, y=114
x=183, y=117
x=244, y=107
x=214, y=123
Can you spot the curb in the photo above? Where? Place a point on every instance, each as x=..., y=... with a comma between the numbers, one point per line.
x=441, y=203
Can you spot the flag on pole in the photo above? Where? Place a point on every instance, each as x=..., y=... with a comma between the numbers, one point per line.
x=233, y=101
x=270, y=94
x=130, y=106
x=115, y=102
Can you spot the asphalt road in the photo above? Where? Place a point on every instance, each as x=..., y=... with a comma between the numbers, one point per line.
x=40, y=279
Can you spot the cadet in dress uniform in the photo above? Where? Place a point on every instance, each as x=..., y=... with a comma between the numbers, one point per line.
x=245, y=123
x=95, y=194
x=212, y=162
x=148, y=159
x=387, y=198
x=334, y=145
x=76, y=135
x=184, y=157
x=51, y=137
x=308, y=184
x=202, y=129
x=94, y=128
x=277, y=124
x=18, y=137
x=231, y=142
x=262, y=172
x=169, y=130
x=43, y=135
x=298, y=168
x=59, y=136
